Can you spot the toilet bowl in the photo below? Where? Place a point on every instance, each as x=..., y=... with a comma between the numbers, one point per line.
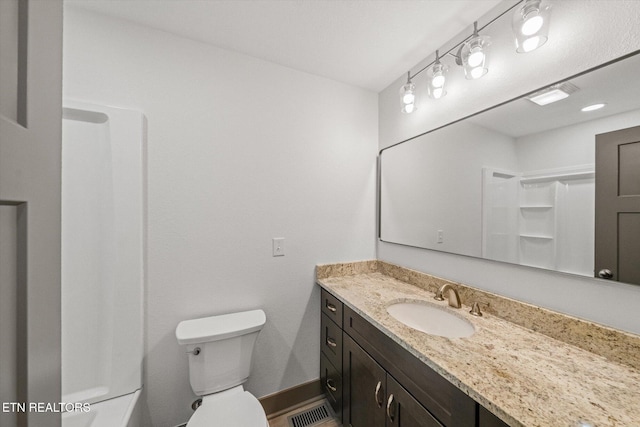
x=234, y=407
x=220, y=351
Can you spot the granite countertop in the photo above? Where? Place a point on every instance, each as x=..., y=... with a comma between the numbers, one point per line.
x=524, y=377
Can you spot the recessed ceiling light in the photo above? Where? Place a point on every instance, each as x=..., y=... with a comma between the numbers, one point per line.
x=593, y=107
x=553, y=93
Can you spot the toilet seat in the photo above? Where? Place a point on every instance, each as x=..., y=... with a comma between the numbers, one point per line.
x=231, y=408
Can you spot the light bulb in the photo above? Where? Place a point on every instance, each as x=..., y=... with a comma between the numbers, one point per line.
x=532, y=25
x=476, y=57
x=476, y=72
x=530, y=44
x=437, y=93
x=408, y=108
x=408, y=98
x=438, y=81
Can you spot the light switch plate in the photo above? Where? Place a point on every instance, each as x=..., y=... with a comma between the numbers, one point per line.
x=278, y=246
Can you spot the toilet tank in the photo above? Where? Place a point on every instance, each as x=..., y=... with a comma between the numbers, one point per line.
x=220, y=349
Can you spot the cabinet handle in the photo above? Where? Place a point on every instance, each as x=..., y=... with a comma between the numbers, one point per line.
x=331, y=342
x=391, y=414
x=331, y=387
x=330, y=307
x=377, y=395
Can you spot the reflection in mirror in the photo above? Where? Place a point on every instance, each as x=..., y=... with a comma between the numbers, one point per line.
x=515, y=183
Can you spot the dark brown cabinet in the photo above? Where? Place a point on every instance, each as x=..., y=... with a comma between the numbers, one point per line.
x=331, y=351
x=371, y=381
x=364, y=388
x=373, y=398
x=331, y=380
x=487, y=419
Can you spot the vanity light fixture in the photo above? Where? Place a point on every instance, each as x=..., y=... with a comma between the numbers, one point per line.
x=553, y=93
x=473, y=55
x=531, y=25
x=593, y=107
x=408, y=96
x=437, y=78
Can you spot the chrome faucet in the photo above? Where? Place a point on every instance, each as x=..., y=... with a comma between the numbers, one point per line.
x=454, y=298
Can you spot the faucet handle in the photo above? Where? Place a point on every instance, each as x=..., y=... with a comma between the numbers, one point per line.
x=475, y=309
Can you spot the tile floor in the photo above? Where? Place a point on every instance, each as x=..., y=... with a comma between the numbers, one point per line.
x=282, y=420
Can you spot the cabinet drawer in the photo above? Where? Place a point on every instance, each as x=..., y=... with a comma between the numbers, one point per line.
x=332, y=307
x=331, y=380
x=331, y=344
x=448, y=404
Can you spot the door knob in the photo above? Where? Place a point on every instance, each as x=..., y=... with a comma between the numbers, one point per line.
x=605, y=273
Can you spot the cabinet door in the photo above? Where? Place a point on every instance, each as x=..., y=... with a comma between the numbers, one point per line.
x=403, y=410
x=487, y=419
x=364, y=388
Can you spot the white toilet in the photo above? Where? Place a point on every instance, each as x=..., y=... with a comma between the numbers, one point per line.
x=220, y=350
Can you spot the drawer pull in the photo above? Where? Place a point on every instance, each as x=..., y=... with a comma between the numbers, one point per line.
x=329, y=386
x=390, y=413
x=331, y=307
x=331, y=342
x=377, y=395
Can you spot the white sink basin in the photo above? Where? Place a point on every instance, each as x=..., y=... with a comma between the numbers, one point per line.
x=432, y=319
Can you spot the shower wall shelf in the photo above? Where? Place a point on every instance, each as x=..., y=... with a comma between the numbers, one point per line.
x=539, y=219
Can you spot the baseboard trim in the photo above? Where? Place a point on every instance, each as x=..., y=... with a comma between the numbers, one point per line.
x=285, y=400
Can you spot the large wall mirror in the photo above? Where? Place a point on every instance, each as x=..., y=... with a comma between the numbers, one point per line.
x=520, y=182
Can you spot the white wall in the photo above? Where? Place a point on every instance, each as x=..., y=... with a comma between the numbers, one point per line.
x=239, y=151
x=583, y=34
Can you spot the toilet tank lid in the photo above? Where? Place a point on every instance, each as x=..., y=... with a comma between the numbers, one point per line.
x=220, y=327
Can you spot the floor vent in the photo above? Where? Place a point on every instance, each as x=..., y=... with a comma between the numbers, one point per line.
x=311, y=417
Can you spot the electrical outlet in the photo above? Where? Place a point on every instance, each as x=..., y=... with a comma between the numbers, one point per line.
x=278, y=246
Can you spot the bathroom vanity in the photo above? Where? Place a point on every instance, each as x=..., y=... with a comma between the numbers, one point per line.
x=377, y=371
x=359, y=365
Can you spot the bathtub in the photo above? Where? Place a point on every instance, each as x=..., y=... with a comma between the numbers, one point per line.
x=121, y=411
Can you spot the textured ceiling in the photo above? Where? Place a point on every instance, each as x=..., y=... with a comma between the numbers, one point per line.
x=366, y=43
